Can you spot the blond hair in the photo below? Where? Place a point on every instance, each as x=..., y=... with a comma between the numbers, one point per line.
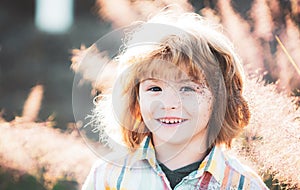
x=198, y=48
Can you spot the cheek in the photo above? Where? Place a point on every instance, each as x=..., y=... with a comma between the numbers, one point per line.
x=207, y=101
x=147, y=106
x=143, y=106
x=206, y=104
x=199, y=105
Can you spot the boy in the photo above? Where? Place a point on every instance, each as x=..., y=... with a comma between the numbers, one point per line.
x=177, y=101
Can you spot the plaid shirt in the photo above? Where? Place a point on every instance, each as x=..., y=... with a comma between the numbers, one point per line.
x=140, y=170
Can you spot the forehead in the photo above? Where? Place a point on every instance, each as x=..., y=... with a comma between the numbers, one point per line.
x=169, y=71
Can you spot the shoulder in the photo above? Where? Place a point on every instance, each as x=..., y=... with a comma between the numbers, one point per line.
x=89, y=182
x=243, y=175
x=111, y=170
x=101, y=173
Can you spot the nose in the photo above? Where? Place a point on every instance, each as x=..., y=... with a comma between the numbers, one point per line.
x=170, y=99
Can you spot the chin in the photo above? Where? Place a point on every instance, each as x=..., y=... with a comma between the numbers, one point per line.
x=178, y=141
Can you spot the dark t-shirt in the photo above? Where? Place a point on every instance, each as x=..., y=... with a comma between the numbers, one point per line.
x=175, y=176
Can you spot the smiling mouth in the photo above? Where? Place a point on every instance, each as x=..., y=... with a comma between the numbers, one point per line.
x=171, y=120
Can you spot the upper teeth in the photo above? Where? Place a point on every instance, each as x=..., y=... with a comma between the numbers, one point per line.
x=171, y=120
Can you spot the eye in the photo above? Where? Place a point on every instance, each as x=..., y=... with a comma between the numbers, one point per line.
x=187, y=89
x=154, y=89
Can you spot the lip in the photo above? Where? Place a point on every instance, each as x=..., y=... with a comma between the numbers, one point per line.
x=171, y=121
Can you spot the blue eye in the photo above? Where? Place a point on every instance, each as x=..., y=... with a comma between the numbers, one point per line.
x=187, y=89
x=154, y=89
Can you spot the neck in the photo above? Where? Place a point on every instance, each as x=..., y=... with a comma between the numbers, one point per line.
x=175, y=156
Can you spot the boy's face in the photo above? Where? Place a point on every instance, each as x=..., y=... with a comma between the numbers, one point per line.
x=175, y=111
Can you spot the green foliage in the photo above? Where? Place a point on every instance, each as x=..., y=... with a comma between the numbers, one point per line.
x=65, y=185
x=13, y=179
x=274, y=184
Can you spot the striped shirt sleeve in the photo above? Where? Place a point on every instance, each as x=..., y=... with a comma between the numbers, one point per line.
x=93, y=177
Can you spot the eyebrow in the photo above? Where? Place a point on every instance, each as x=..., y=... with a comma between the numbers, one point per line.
x=159, y=80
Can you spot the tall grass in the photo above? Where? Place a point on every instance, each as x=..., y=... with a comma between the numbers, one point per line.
x=129, y=11
x=271, y=140
x=39, y=150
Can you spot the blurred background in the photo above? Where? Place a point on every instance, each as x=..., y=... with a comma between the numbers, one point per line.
x=30, y=55
x=39, y=145
x=41, y=152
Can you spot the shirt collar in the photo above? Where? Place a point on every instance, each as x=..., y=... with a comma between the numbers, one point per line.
x=145, y=151
x=214, y=162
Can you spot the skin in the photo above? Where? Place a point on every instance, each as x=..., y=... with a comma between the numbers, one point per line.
x=177, y=114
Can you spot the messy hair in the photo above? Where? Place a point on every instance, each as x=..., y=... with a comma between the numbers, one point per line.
x=202, y=52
